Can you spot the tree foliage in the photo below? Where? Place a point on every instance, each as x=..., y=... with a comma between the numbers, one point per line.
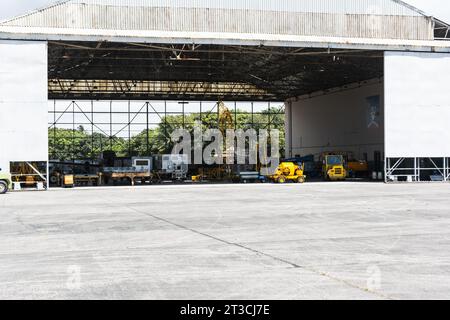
x=67, y=144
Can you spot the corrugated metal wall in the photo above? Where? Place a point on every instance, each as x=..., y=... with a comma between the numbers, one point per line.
x=334, y=18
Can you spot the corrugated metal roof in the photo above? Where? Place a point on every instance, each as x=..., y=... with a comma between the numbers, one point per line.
x=359, y=24
x=381, y=7
x=381, y=19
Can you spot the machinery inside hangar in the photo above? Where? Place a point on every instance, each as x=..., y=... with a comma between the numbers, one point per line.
x=116, y=93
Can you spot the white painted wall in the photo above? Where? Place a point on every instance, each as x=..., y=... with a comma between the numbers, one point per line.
x=23, y=102
x=336, y=121
x=417, y=104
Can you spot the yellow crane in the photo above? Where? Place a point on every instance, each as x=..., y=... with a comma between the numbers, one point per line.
x=225, y=118
x=220, y=172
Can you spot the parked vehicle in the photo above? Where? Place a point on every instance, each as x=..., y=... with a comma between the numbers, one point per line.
x=288, y=171
x=5, y=182
x=333, y=167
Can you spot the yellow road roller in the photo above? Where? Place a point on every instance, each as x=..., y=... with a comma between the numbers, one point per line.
x=288, y=171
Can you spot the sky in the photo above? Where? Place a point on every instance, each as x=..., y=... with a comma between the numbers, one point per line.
x=10, y=8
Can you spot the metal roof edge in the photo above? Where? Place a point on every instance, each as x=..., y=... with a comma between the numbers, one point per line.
x=33, y=11
x=51, y=34
x=411, y=7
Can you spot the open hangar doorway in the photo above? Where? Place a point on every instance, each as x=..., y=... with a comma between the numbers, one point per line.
x=342, y=114
x=93, y=78
x=345, y=121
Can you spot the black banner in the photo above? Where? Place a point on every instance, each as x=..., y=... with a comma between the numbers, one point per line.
x=198, y=310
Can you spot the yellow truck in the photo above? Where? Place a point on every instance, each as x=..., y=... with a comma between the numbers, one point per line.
x=333, y=167
x=288, y=171
x=5, y=182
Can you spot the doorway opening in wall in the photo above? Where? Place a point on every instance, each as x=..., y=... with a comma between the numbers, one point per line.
x=340, y=132
x=107, y=142
x=181, y=73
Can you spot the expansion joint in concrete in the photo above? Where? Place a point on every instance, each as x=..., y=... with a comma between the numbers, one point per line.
x=258, y=252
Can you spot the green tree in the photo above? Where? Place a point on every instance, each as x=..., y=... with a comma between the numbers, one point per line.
x=67, y=144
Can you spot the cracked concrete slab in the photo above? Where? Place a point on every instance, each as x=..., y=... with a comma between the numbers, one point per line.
x=313, y=241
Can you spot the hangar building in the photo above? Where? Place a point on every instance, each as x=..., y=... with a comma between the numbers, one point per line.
x=370, y=77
